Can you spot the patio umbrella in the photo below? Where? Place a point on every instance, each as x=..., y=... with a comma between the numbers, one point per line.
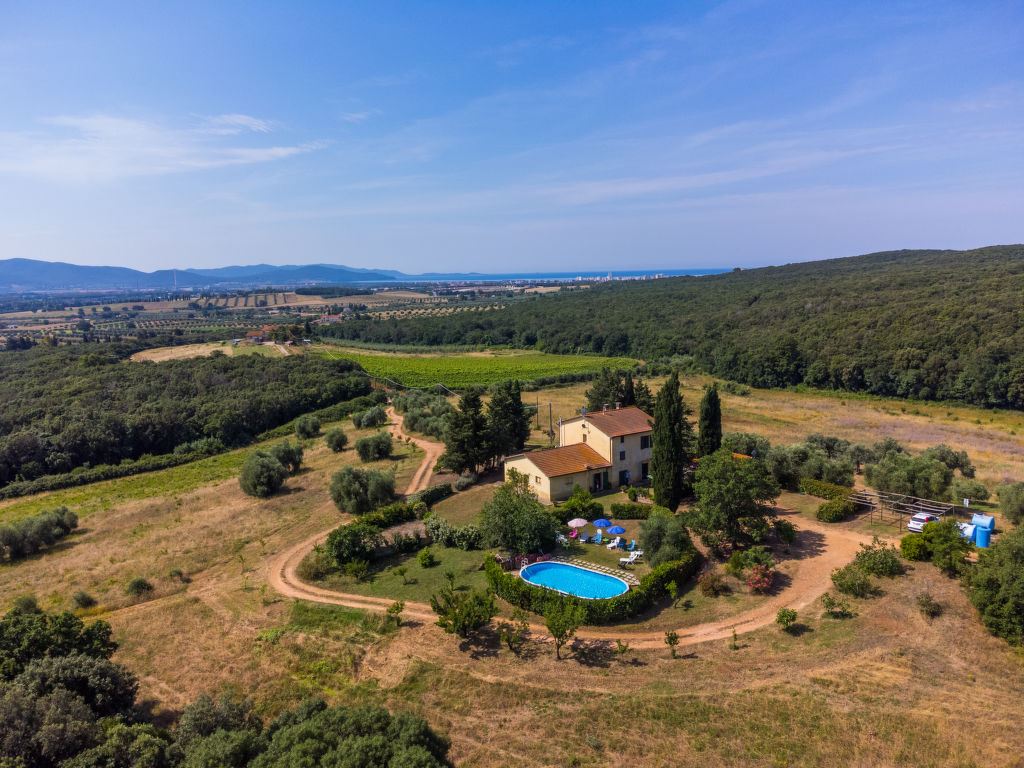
x=602, y=523
x=616, y=530
x=577, y=522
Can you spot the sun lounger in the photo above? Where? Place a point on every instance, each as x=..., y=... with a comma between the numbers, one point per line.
x=614, y=543
x=632, y=546
x=633, y=557
x=561, y=539
x=598, y=539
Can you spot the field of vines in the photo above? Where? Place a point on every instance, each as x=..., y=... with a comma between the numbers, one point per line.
x=460, y=371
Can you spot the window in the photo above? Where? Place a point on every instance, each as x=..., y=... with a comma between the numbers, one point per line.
x=622, y=455
x=622, y=439
x=537, y=479
x=645, y=442
x=584, y=437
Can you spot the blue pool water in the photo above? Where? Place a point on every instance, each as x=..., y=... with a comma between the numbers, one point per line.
x=573, y=580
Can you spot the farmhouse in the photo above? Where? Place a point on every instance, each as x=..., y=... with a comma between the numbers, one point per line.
x=599, y=451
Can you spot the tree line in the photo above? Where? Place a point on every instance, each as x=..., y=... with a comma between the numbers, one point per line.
x=63, y=408
x=932, y=325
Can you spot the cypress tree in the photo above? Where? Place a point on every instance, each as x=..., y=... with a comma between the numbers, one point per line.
x=606, y=390
x=672, y=448
x=628, y=391
x=466, y=434
x=508, y=423
x=709, y=438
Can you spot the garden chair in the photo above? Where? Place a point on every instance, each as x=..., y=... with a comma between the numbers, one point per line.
x=575, y=533
x=632, y=546
x=598, y=539
x=614, y=543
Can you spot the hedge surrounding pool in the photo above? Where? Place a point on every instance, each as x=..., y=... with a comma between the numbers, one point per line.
x=573, y=580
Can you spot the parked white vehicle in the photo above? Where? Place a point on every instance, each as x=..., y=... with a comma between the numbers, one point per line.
x=918, y=521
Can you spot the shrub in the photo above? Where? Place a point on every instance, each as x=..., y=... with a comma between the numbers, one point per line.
x=337, y=440
x=580, y=504
x=663, y=538
x=289, y=455
x=316, y=565
x=138, y=587
x=914, y=546
x=357, y=569
x=823, y=490
x=743, y=559
x=836, y=607
x=31, y=534
x=996, y=587
x=710, y=583
x=462, y=613
x=1011, y=502
x=262, y=475
x=760, y=579
x=928, y=606
x=370, y=418
x=464, y=482
x=82, y=600
x=851, y=580
x=355, y=541
x=879, y=559
x=430, y=496
x=307, y=427
x=672, y=640
x=426, y=558
x=835, y=511
x=786, y=618
x=785, y=531
x=949, y=549
x=392, y=514
x=631, y=511
x=515, y=521
x=403, y=544
x=968, y=488
x=357, y=491
x=374, y=447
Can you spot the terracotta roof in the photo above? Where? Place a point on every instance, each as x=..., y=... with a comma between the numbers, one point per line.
x=567, y=460
x=621, y=421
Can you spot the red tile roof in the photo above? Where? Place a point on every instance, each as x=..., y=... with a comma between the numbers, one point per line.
x=620, y=421
x=567, y=460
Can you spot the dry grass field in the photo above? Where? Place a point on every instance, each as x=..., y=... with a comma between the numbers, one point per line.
x=159, y=354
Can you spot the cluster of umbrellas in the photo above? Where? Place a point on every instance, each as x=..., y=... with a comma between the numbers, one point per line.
x=615, y=530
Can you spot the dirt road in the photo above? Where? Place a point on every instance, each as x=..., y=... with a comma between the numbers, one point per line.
x=819, y=549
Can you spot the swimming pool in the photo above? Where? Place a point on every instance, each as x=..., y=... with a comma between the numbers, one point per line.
x=573, y=580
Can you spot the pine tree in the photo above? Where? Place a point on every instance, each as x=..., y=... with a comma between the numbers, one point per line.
x=709, y=438
x=672, y=448
x=644, y=399
x=628, y=391
x=508, y=423
x=466, y=435
x=606, y=390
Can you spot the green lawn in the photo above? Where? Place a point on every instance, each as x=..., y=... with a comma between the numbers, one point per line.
x=421, y=582
x=464, y=507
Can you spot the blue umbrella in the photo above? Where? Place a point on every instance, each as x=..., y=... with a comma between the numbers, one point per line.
x=602, y=523
x=616, y=530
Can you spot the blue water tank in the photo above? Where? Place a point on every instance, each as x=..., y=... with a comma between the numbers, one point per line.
x=982, y=536
x=984, y=521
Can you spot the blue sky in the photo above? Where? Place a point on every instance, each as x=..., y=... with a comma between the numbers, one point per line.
x=507, y=136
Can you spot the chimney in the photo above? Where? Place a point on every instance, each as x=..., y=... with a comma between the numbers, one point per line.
x=618, y=406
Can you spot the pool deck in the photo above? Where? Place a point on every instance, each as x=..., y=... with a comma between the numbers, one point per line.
x=619, y=573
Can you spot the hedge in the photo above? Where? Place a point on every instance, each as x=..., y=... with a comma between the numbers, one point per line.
x=631, y=511
x=824, y=490
x=652, y=588
x=335, y=412
x=385, y=517
x=835, y=511
x=432, y=495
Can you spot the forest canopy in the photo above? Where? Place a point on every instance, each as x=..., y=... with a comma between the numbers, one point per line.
x=62, y=408
x=946, y=325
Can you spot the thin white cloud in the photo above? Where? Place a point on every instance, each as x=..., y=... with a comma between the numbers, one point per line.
x=96, y=148
x=358, y=117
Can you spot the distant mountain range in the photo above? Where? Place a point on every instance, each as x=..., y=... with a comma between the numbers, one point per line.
x=29, y=275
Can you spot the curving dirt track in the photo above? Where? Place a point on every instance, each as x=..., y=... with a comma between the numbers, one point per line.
x=819, y=549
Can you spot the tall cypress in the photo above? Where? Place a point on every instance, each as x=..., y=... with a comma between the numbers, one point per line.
x=466, y=436
x=628, y=391
x=672, y=448
x=709, y=439
x=508, y=423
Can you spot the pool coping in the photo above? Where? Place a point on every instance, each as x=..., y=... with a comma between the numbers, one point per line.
x=582, y=568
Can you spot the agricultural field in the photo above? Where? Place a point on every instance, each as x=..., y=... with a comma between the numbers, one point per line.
x=472, y=369
x=159, y=354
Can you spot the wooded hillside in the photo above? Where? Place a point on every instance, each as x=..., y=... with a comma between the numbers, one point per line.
x=924, y=324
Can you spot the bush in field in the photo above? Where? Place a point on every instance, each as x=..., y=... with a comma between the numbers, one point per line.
x=355, y=541
x=307, y=427
x=949, y=550
x=879, y=559
x=465, y=481
x=968, y=488
x=743, y=559
x=836, y=607
x=1011, y=502
x=580, y=504
x=138, y=587
x=337, y=440
x=316, y=564
x=427, y=558
x=760, y=579
x=289, y=455
x=786, y=618
x=928, y=606
x=82, y=600
x=914, y=546
x=375, y=447
x=663, y=538
x=515, y=521
x=262, y=475
x=996, y=587
x=368, y=419
x=710, y=583
x=835, y=511
x=851, y=580
x=785, y=530
x=463, y=613
x=29, y=535
x=358, y=491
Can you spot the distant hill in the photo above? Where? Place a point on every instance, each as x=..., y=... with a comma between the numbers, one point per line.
x=24, y=275
x=945, y=325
